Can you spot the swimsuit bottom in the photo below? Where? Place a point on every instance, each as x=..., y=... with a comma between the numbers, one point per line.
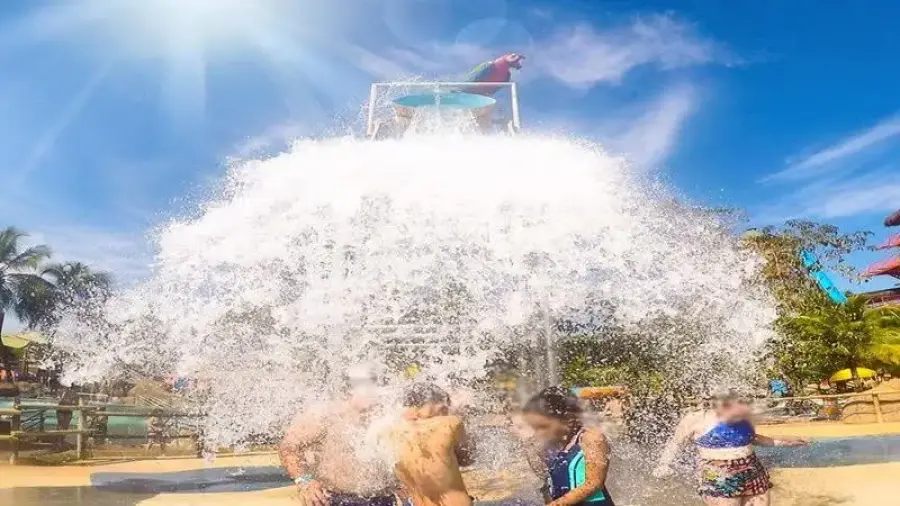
x=341, y=499
x=744, y=477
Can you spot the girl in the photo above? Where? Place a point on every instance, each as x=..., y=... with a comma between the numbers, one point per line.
x=575, y=458
x=730, y=472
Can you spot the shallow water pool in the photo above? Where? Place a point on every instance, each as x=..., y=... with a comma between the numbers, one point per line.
x=835, y=452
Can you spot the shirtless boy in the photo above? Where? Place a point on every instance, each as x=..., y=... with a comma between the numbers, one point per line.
x=339, y=474
x=430, y=446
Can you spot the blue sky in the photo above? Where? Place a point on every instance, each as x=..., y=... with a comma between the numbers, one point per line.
x=117, y=114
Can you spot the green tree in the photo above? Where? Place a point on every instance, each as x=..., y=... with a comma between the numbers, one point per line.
x=783, y=271
x=796, y=353
x=851, y=334
x=76, y=281
x=21, y=288
x=74, y=286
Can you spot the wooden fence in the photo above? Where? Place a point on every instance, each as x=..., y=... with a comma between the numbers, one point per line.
x=80, y=428
x=833, y=401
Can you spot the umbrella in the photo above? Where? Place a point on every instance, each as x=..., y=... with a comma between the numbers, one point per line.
x=893, y=220
x=846, y=374
x=19, y=341
x=598, y=392
x=889, y=267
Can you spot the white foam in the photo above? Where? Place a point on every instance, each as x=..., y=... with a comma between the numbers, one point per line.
x=288, y=277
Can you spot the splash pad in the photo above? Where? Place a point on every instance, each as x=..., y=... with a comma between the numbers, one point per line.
x=440, y=247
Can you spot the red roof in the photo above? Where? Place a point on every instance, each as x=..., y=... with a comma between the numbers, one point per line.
x=890, y=296
x=891, y=242
x=893, y=220
x=889, y=267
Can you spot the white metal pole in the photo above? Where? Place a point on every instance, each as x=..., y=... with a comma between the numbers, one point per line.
x=514, y=95
x=373, y=95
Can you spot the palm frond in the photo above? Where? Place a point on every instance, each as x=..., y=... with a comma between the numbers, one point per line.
x=9, y=243
x=30, y=258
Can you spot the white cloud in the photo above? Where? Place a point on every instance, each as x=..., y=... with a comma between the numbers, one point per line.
x=127, y=256
x=388, y=66
x=649, y=140
x=870, y=193
x=826, y=160
x=582, y=56
x=578, y=56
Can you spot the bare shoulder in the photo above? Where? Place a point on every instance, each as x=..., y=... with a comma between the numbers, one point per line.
x=446, y=422
x=693, y=422
x=593, y=435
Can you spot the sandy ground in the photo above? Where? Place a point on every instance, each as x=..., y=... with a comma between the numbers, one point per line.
x=864, y=485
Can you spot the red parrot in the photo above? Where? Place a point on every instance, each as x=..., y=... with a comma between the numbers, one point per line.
x=494, y=71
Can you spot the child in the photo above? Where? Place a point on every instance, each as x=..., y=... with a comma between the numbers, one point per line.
x=730, y=472
x=431, y=445
x=575, y=458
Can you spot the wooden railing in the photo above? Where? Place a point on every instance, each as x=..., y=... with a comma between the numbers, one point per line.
x=875, y=396
x=19, y=433
x=876, y=399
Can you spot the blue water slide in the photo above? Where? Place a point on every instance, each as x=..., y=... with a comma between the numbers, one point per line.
x=825, y=283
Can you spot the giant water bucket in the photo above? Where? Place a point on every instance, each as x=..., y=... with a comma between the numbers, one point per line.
x=478, y=106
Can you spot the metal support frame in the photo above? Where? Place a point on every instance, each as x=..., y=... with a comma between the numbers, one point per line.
x=436, y=87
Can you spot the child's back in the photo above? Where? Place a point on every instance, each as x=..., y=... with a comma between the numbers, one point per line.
x=430, y=446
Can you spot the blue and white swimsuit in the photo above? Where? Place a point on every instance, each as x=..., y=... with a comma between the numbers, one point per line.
x=566, y=469
x=743, y=477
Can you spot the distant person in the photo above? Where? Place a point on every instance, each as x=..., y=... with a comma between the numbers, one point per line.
x=431, y=445
x=100, y=427
x=778, y=388
x=574, y=459
x=730, y=472
x=321, y=450
x=68, y=399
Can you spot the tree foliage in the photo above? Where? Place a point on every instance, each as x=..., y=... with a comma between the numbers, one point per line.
x=851, y=335
x=817, y=336
x=21, y=288
x=38, y=293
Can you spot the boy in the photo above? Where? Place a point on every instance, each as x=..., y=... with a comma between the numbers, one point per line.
x=431, y=445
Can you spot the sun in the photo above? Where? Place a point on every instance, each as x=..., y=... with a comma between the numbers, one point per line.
x=179, y=40
x=165, y=28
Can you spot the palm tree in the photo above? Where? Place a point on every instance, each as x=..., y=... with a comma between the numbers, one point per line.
x=885, y=322
x=20, y=286
x=69, y=286
x=75, y=281
x=852, y=332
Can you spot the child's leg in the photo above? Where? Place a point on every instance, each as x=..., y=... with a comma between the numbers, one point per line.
x=757, y=500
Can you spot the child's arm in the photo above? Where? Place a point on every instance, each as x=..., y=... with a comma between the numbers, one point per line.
x=682, y=433
x=596, y=456
x=761, y=440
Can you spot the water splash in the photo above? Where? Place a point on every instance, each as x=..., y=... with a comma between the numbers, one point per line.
x=444, y=247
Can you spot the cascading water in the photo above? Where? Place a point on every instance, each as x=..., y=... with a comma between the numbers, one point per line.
x=446, y=247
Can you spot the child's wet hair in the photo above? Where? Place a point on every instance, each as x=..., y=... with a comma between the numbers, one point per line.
x=420, y=394
x=729, y=395
x=554, y=402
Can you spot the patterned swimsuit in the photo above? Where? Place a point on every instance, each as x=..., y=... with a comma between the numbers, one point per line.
x=566, y=471
x=743, y=477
